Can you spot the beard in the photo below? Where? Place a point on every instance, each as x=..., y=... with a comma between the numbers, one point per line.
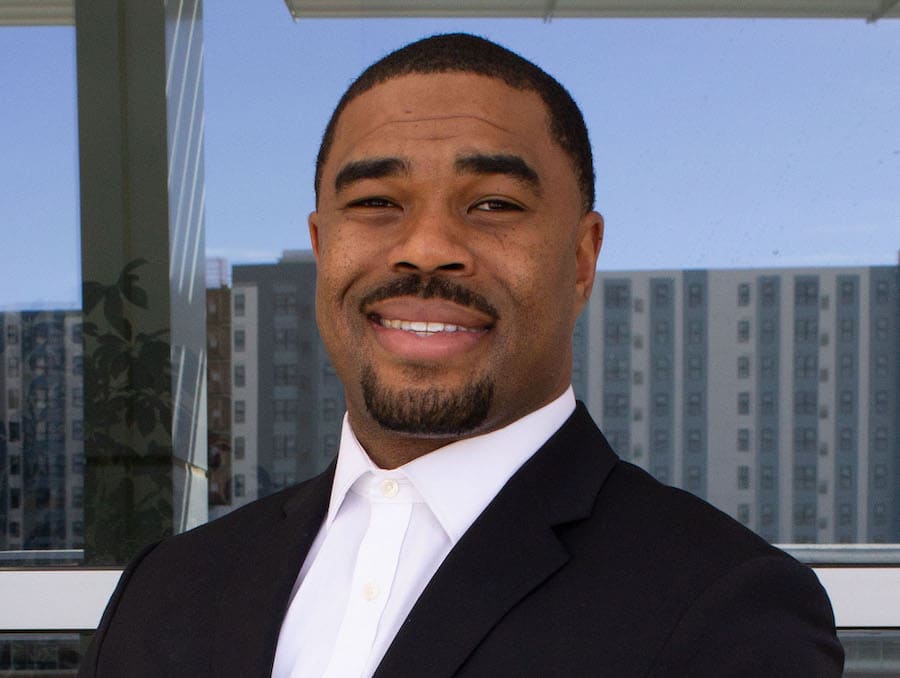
x=429, y=412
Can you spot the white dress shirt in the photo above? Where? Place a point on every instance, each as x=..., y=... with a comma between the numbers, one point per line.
x=385, y=535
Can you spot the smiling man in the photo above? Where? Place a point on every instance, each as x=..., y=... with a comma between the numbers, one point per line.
x=475, y=523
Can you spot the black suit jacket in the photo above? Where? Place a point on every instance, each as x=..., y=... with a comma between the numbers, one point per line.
x=583, y=565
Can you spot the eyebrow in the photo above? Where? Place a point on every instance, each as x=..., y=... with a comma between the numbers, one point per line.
x=372, y=168
x=509, y=165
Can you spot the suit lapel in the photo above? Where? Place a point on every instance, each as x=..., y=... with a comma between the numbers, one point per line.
x=257, y=589
x=508, y=552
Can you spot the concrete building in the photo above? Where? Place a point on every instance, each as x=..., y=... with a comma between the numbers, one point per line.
x=773, y=393
x=41, y=430
x=287, y=401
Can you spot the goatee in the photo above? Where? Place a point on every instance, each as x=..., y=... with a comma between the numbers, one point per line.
x=431, y=411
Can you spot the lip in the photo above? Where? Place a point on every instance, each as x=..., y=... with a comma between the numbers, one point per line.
x=472, y=328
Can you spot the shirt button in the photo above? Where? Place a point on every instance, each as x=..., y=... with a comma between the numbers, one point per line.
x=370, y=591
x=389, y=488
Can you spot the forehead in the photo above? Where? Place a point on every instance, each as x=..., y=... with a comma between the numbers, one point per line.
x=450, y=109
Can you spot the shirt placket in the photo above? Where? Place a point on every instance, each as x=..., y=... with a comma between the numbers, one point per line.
x=373, y=578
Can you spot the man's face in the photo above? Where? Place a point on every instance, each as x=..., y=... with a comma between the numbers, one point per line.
x=453, y=259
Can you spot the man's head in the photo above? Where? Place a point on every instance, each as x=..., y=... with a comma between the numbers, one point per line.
x=462, y=53
x=455, y=244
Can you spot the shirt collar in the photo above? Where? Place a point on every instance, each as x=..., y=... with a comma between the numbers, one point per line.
x=459, y=480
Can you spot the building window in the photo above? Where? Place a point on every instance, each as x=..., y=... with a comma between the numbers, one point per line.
x=743, y=513
x=695, y=332
x=767, y=477
x=846, y=439
x=804, y=439
x=77, y=365
x=12, y=335
x=743, y=440
x=743, y=405
x=239, y=485
x=616, y=295
x=614, y=368
x=743, y=331
x=660, y=440
x=240, y=375
x=882, y=295
x=847, y=329
x=695, y=404
x=615, y=405
x=330, y=410
x=845, y=477
x=805, y=402
x=695, y=368
x=767, y=440
x=846, y=369
x=743, y=477
x=240, y=411
x=766, y=514
x=240, y=340
x=661, y=404
x=661, y=368
x=881, y=329
x=845, y=514
x=743, y=367
x=694, y=477
x=284, y=446
x=847, y=292
x=13, y=434
x=661, y=332
x=881, y=439
x=881, y=365
x=804, y=477
x=767, y=402
x=661, y=294
x=239, y=305
x=15, y=464
x=880, y=476
x=286, y=410
x=804, y=514
x=806, y=293
x=806, y=330
x=695, y=295
x=767, y=293
x=77, y=429
x=846, y=402
x=14, y=530
x=15, y=498
x=694, y=440
x=881, y=402
x=767, y=332
x=77, y=497
x=240, y=447
x=616, y=333
x=286, y=339
x=638, y=378
x=286, y=303
x=879, y=513
x=743, y=297
x=287, y=375
x=767, y=367
x=806, y=366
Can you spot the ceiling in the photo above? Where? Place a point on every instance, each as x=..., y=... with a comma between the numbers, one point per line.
x=871, y=10
x=62, y=12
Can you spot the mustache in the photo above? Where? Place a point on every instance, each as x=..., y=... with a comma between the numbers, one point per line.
x=434, y=288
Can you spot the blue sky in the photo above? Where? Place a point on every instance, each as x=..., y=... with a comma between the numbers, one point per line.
x=718, y=143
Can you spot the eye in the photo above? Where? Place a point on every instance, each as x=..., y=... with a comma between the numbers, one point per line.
x=497, y=205
x=372, y=203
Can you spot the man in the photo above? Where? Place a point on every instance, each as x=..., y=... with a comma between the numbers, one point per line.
x=476, y=523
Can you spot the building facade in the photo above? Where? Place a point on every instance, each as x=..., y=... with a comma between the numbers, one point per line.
x=771, y=393
x=287, y=402
x=41, y=430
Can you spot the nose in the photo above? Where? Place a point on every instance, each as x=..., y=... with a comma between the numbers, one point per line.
x=432, y=242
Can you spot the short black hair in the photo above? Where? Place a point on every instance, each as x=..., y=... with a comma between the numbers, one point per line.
x=464, y=53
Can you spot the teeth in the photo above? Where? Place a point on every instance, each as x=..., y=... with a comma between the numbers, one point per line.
x=421, y=327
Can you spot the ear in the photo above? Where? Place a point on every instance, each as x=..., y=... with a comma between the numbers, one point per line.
x=314, y=232
x=590, y=230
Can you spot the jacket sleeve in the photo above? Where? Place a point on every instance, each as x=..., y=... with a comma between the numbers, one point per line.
x=88, y=667
x=769, y=617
